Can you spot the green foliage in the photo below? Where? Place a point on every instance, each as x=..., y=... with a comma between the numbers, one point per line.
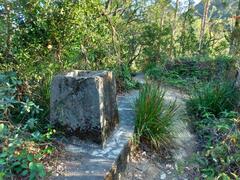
x=217, y=127
x=156, y=40
x=15, y=106
x=214, y=98
x=21, y=151
x=124, y=79
x=36, y=169
x=153, y=117
x=220, y=139
x=154, y=71
x=184, y=73
x=187, y=38
x=225, y=67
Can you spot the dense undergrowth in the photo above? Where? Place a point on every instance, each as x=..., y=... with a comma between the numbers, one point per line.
x=213, y=108
x=188, y=73
x=213, y=97
x=26, y=145
x=216, y=123
x=124, y=79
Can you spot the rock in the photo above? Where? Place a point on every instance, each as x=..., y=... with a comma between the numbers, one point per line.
x=83, y=104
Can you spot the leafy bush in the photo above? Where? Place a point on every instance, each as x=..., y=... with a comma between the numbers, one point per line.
x=185, y=73
x=182, y=73
x=155, y=73
x=214, y=98
x=23, y=154
x=15, y=106
x=218, y=130
x=153, y=117
x=124, y=79
x=23, y=146
x=225, y=67
x=220, y=139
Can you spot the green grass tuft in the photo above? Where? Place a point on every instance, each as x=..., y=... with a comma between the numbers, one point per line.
x=213, y=98
x=154, y=117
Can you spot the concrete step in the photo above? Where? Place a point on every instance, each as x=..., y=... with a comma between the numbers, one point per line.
x=89, y=161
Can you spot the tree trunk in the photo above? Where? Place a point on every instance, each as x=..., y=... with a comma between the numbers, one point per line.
x=203, y=24
x=7, y=51
x=235, y=36
x=172, y=50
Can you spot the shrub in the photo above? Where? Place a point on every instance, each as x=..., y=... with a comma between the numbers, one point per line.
x=220, y=138
x=15, y=106
x=124, y=79
x=213, y=97
x=153, y=117
x=24, y=154
x=155, y=73
x=23, y=149
x=225, y=67
x=217, y=127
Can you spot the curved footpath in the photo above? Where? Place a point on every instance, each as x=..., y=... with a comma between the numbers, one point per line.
x=153, y=167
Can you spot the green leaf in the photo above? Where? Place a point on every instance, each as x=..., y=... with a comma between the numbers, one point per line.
x=2, y=174
x=18, y=169
x=41, y=170
x=32, y=175
x=30, y=157
x=3, y=155
x=209, y=172
x=24, y=173
x=37, y=168
x=2, y=128
x=17, y=163
x=32, y=166
x=223, y=176
x=2, y=161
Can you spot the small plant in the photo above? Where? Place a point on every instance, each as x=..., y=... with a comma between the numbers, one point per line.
x=153, y=117
x=15, y=106
x=155, y=73
x=225, y=67
x=214, y=98
x=124, y=79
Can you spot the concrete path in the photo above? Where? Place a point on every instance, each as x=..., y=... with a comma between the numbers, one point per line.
x=149, y=165
x=89, y=161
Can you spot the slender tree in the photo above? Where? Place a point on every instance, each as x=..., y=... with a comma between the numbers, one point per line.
x=187, y=37
x=172, y=49
x=235, y=36
x=203, y=23
x=9, y=33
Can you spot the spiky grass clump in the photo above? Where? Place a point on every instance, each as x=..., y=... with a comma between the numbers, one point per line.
x=214, y=97
x=154, y=117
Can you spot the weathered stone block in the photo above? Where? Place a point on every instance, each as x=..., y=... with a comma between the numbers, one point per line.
x=83, y=103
